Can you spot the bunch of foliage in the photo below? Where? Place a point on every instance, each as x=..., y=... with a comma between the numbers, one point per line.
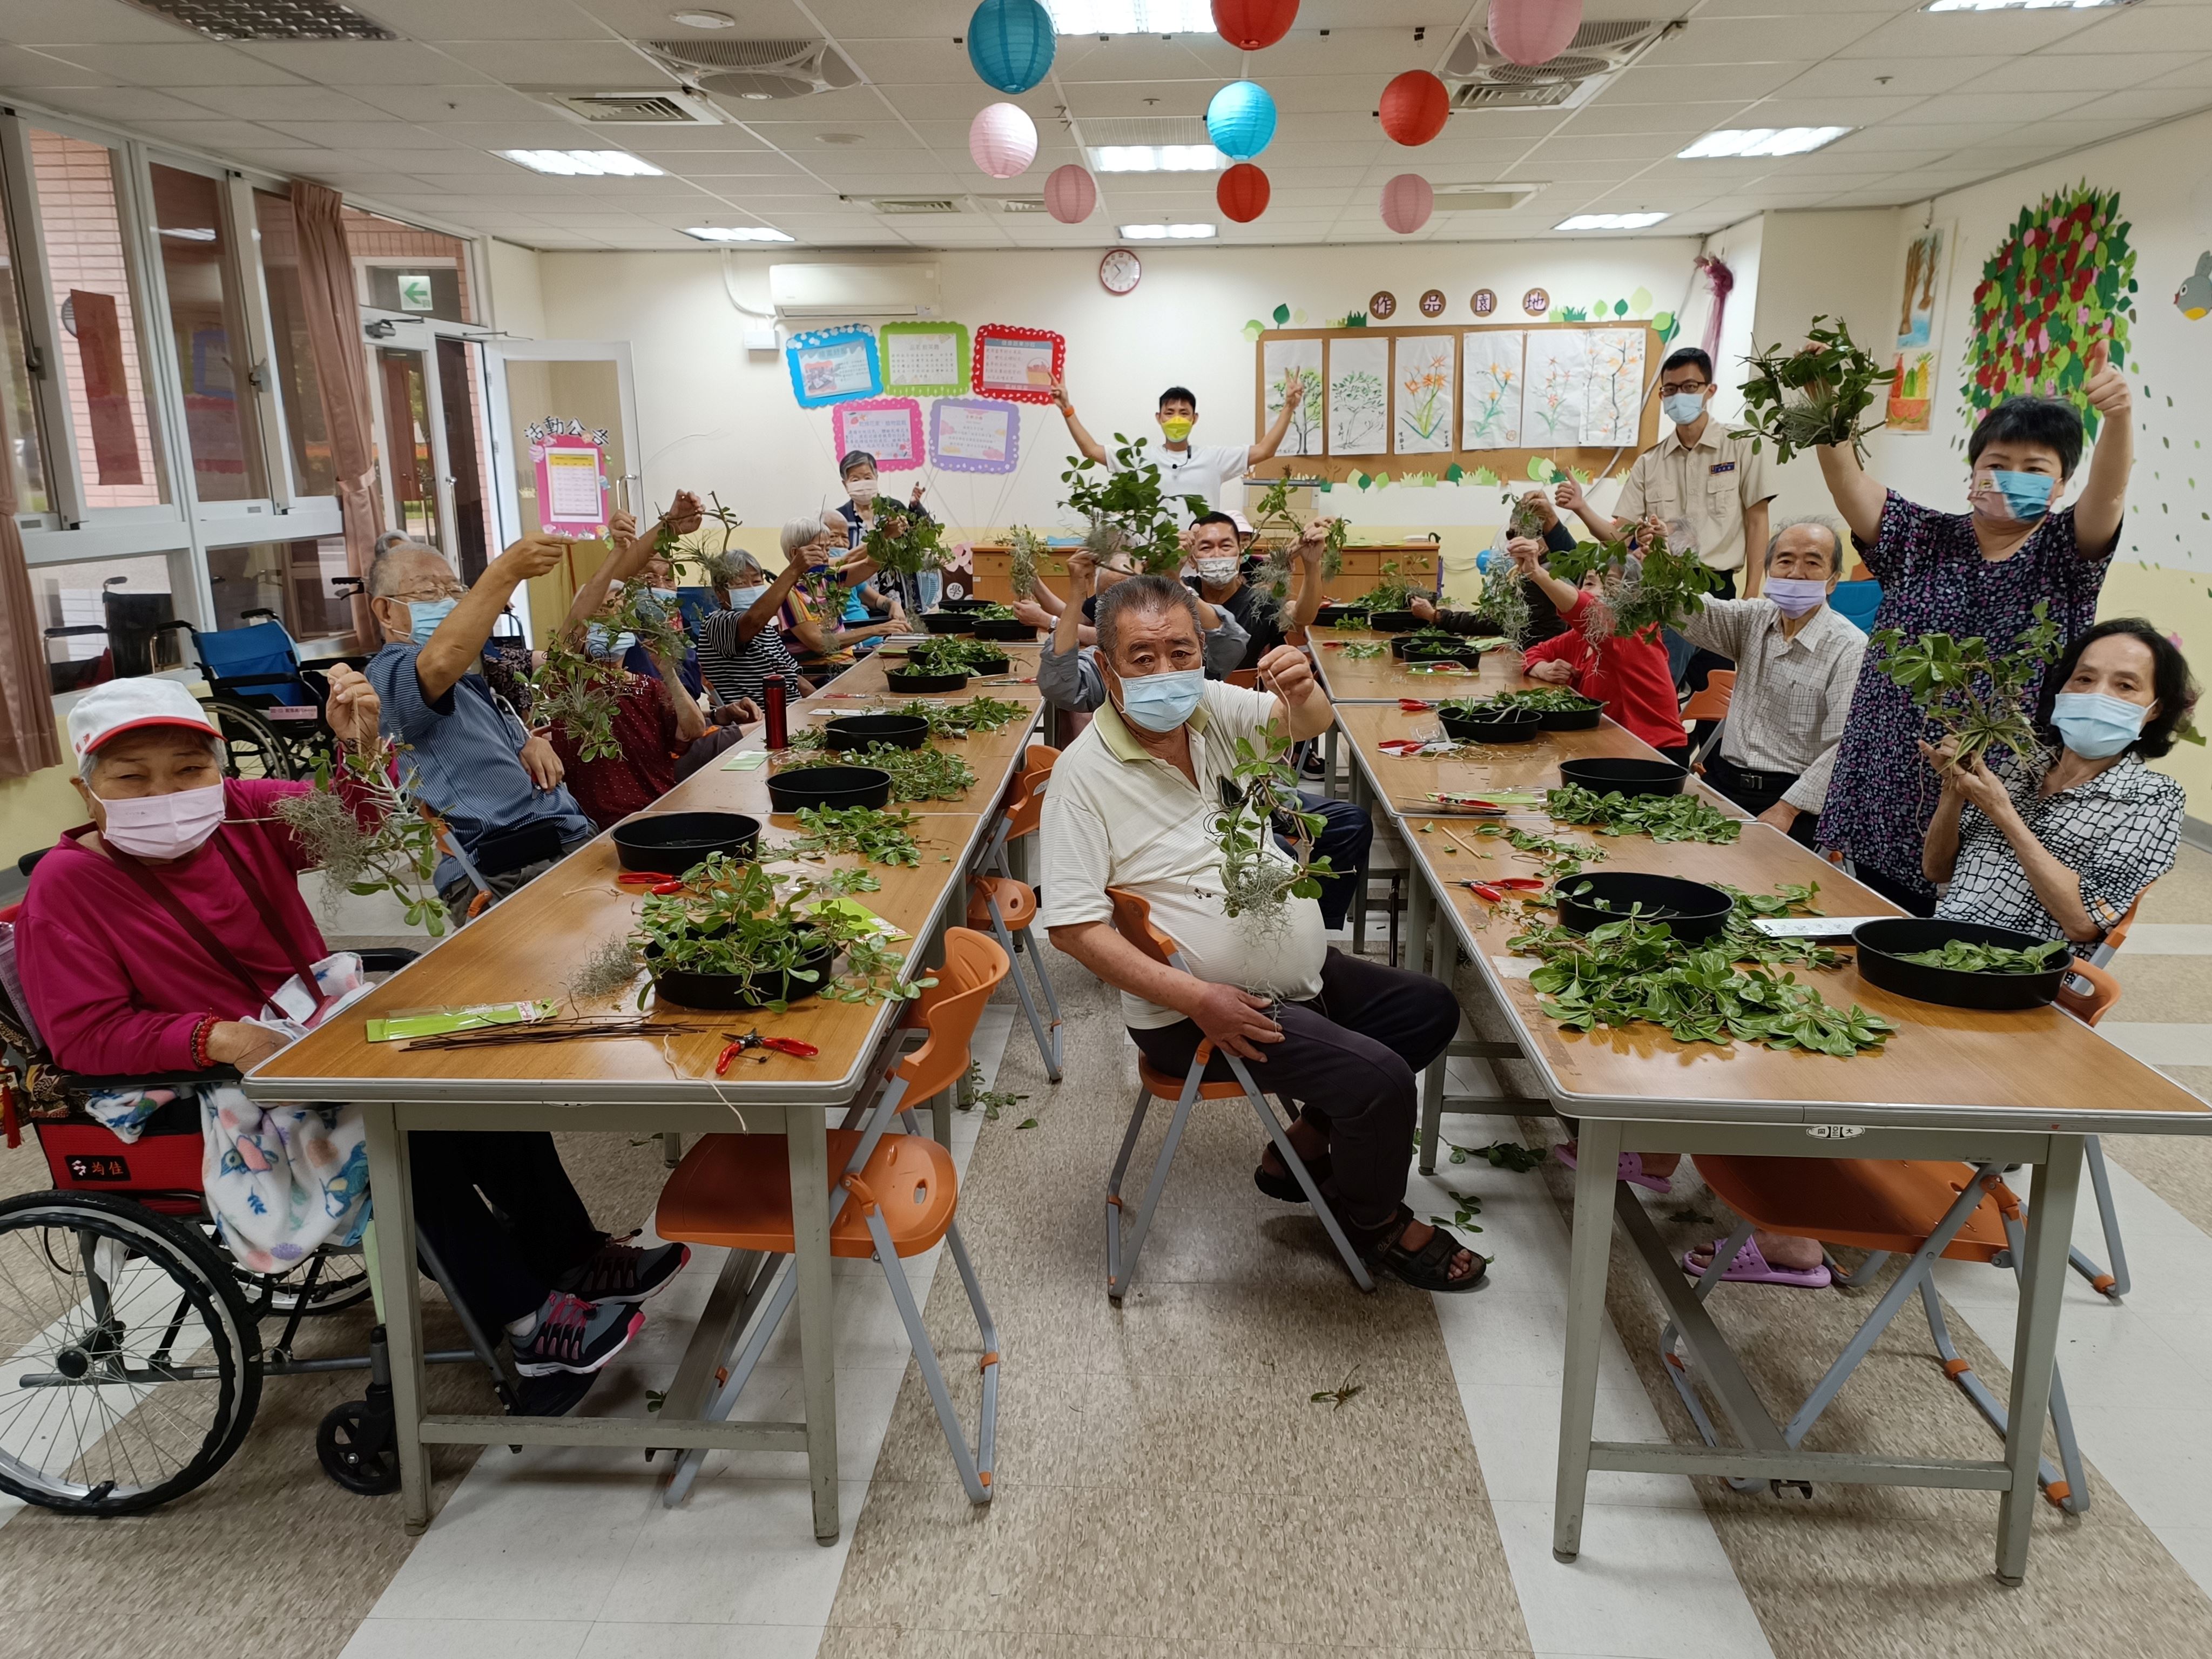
x=1668, y=587
x=958, y=720
x=1260, y=793
x=1968, y=691
x=1544, y=699
x=1663, y=817
x=1392, y=593
x=1967, y=956
x=1813, y=397
x=878, y=836
x=1280, y=530
x=1122, y=504
x=916, y=774
x=905, y=543
x=1553, y=856
x=1503, y=608
x=397, y=853
x=1365, y=650
x=951, y=654
x=1024, y=549
x=2063, y=277
x=724, y=565
x=737, y=920
x=581, y=692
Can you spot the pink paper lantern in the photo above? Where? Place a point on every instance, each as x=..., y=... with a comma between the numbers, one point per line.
x=1070, y=194
x=1534, y=31
x=1002, y=140
x=1407, y=201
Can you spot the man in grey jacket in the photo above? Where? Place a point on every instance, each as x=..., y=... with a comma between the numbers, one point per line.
x=1068, y=670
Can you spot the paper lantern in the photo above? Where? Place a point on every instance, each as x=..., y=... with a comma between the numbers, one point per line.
x=1243, y=192
x=1415, y=106
x=1248, y=25
x=1407, y=201
x=1010, y=42
x=1241, y=120
x=1534, y=31
x=1003, y=140
x=1070, y=194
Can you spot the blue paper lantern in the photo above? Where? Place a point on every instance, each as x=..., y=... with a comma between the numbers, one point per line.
x=1010, y=42
x=1241, y=120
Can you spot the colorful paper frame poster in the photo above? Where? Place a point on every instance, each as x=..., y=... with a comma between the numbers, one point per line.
x=1489, y=413
x=1359, y=412
x=970, y=435
x=924, y=360
x=569, y=466
x=1424, y=393
x=834, y=366
x=889, y=428
x=1018, y=364
x=1612, y=403
x=1281, y=361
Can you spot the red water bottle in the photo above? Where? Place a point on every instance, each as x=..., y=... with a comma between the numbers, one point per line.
x=772, y=701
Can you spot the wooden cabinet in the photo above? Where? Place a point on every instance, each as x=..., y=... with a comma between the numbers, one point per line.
x=1418, y=565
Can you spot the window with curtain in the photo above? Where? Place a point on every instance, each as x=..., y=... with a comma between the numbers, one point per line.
x=306, y=436
x=208, y=333
x=26, y=452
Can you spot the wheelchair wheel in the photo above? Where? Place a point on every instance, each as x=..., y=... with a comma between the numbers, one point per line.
x=254, y=747
x=358, y=1448
x=342, y=1282
x=135, y=1366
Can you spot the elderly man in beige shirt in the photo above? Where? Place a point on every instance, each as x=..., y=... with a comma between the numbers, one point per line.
x=1699, y=473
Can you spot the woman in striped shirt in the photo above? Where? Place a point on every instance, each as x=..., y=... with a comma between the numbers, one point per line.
x=741, y=647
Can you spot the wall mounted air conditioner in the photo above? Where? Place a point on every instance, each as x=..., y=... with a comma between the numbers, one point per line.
x=831, y=290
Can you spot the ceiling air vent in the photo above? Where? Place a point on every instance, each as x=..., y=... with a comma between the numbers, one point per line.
x=754, y=71
x=1018, y=204
x=903, y=204
x=679, y=109
x=1483, y=198
x=269, y=20
x=1485, y=78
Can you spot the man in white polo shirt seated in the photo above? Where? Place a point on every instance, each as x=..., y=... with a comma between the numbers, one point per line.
x=1187, y=469
x=1132, y=804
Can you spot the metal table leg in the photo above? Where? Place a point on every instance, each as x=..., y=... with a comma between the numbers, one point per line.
x=1443, y=954
x=1328, y=763
x=807, y=1140
x=1418, y=927
x=1598, y=1159
x=403, y=1304
x=2035, y=1344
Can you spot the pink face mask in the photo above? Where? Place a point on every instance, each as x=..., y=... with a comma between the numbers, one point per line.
x=163, y=826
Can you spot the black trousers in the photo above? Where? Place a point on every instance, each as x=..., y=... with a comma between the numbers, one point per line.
x=1349, y=1057
x=1344, y=839
x=501, y=1214
x=1756, y=791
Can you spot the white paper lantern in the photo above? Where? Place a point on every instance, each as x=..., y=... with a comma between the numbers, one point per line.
x=1003, y=140
x=1407, y=201
x=1070, y=194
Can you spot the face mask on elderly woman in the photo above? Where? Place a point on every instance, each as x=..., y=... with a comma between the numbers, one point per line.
x=139, y=817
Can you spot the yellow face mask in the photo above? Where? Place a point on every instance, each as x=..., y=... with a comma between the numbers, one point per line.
x=1176, y=427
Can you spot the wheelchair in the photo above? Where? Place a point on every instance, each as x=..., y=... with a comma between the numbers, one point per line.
x=134, y=1355
x=269, y=706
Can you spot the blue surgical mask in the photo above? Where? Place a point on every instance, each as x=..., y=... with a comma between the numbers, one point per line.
x=1795, y=596
x=2096, y=726
x=1683, y=407
x=2025, y=496
x=423, y=616
x=743, y=598
x=596, y=641
x=665, y=595
x=1161, y=702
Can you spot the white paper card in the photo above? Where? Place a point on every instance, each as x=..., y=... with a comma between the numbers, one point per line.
x=1491, y=401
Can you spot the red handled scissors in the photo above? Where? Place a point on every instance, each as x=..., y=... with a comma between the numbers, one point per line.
x=736, y=1045
x=1498, y=888
x=658, y=880
x=1414, y=705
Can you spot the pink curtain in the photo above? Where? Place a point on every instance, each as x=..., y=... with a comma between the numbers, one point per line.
x=28, y=742
x=333, y=319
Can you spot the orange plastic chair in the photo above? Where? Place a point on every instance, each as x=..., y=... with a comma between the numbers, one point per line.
x=735, y=1191
x=1133, y=920
x=1928, y=1209
x=1004, y=908
x=1712, y=702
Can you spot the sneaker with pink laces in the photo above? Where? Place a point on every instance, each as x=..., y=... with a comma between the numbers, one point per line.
x=572, y=1335
x=622, y=1272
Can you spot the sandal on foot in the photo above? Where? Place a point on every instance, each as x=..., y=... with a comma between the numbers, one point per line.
x=1428, y=1268
x=1286, y=1186
x=1748, y=1266
x=1631, y=1171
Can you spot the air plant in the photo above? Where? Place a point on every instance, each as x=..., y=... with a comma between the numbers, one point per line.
x=1280, y=532
x=582, y=690
x=1813, y=397
x=606, y=968
x=1024, y=548
x=1504, y=606
x=396, y=852
x=1970, y=692
x=1125, y=509
x=1260, y=793
x=1671, y=586
x=723, y=566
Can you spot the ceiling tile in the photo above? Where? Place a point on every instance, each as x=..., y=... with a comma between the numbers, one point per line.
x=458, y=100
x=118, y=103
x=365, y=136
x=2068, y=70
x=299, y=103
x=1761, y=40
x=211, y=135
x=443, y=21
x=1966, y=33
x=553, y=63
x=191, y=63
x=1726, y=84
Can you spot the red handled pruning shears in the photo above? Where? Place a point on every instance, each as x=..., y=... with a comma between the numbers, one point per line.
x=658, y=880
x=1498, y=888
x=1414, y=705
x=736, y=1045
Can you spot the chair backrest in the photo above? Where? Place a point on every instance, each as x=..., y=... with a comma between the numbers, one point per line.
x=974, y=965
x=1026, y=810
x=2088, y=993
x=2118, y=936
x=1133, y=920
x=1040, y=757
x=1857, y=600
x=1712, y=702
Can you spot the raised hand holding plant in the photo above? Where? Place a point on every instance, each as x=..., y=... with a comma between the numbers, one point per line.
x=1812, y=397
x=1125, y=509
x=1969, y=692
x=1262, y=791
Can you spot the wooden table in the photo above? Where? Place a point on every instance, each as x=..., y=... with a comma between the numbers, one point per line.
x=1386, y=678
x=526, y=947
x=866, y=677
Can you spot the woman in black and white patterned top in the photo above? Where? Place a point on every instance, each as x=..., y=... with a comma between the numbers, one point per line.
x=2064, y=849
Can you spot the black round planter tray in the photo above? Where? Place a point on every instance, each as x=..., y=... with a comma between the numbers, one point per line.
x=962, y=605
x=734, y=991
x=1607, y=774
x=858, y=731
x=1407, y=645
x=831, y=786
x=948, y=621
x=1330, y=615
x=1695, y=912
x=1570, y=719
x=1394, y=622
x=1005, y=628
x=1883, y=943
x=676, y=842
x=1511, y=725
x=899, y=680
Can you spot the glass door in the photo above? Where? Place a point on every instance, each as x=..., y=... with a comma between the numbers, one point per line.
x=407, y=442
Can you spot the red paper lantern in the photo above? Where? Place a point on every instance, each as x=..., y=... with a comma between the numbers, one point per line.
x=1534, y=31
x=1415, y=106
x=1243, y=192
x=1407, y=201
x=1070, y=194
x=1248, y=25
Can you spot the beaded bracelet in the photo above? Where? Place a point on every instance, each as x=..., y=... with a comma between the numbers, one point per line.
x=201, y=1035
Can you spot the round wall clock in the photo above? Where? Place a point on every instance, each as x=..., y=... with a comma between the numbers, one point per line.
x=1119, y=270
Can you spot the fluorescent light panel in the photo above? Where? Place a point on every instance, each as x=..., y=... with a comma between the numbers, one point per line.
x=2022, y=5
x=584, y=163
x=1156, y=158
x=736, y=234
x=1609, y=221
x=1132, y=16
x=1164, y=233
x=1760, y=140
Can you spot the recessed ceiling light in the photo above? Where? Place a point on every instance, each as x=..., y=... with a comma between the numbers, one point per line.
x=1132, y=16
x=1760, y=140
x=1155, y=158
x=1609, y=221
x=839, y=138
x=584, y=163
x=703, y=20
x=2022, y=5
x=1161, y=233
x=736, y=234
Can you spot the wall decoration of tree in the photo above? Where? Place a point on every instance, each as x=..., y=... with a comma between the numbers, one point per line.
x=2062, y=277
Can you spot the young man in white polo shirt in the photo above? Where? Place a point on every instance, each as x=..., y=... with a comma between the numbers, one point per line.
x=1185, y=469
x=1131, y=806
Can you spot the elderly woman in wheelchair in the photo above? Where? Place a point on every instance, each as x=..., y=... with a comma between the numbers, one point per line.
x=161, y=949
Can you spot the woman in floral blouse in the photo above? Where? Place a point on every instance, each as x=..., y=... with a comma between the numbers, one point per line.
x=1980, y=572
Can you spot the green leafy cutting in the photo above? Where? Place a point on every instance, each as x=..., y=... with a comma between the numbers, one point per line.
x=992, y=1101
x=1663, y=817
x=949, y=653
x=916, y=774
x=1343, y=1394
x=1260, y=794
x=1391, y=592
x=878, y=836
x=1126, y=512
x=1812, y=396
x=581, y=692
x=905, y=543
x=1967, y=690
x=958, y=720
x=1024, y=549
x=1502, y=1155
x=1280, y=529
x=1669, y=586
x=1544, y=699
x=1364, y=651
x=1965, y=956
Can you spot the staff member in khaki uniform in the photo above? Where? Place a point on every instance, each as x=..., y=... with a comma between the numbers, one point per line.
x=1699, y=473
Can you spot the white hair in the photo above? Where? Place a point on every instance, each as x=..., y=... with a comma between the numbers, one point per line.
x=1837, y=542
x=799, y=533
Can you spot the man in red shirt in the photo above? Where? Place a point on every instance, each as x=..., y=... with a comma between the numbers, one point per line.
x=1631, y=676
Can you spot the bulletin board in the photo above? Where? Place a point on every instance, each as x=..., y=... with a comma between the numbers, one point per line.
x=1425, y=398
